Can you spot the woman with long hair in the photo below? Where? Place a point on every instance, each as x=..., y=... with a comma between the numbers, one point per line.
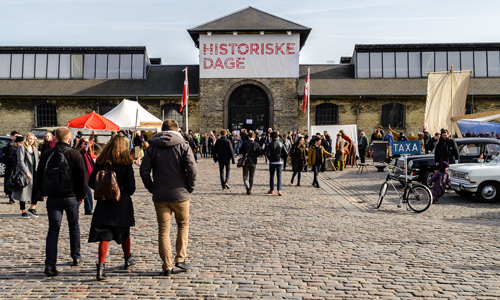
x=27, y=162
x=46, y=141
x=298, y=155
x=85, y=150
x=112, y=220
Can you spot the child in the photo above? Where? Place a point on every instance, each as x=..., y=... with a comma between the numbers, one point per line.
x=441, y=179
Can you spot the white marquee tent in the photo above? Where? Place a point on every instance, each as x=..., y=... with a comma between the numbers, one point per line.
x=124, y=115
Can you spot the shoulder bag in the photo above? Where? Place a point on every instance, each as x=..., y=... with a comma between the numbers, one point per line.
x=243, y=160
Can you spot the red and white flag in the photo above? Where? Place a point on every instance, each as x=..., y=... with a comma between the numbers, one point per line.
x=185, y=91
x=306, y=92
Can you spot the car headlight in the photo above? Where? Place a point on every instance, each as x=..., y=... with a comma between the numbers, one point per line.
x=466, y=177
x=410, y=164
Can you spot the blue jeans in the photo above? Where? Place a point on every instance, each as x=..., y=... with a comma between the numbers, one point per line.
x=55, y=208
x=275, y=168
x=88, y=203
x=295, y=173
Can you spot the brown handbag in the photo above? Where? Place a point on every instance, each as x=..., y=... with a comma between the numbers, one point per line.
x=106, y=185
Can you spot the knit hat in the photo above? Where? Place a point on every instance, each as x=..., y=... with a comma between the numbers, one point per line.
x=443, y=166
x=19, y=138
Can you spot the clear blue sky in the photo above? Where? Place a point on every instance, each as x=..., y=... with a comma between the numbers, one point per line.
x=161, y=25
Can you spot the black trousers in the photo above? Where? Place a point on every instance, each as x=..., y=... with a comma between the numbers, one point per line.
x=362, y=154
x=223, y=180
x=315, y=169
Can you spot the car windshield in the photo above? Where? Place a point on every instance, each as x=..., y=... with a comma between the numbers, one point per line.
x=495, y=158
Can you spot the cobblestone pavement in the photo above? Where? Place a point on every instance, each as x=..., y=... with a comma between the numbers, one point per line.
x=311, y=243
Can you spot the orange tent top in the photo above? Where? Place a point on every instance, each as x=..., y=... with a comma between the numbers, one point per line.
x=93, y=121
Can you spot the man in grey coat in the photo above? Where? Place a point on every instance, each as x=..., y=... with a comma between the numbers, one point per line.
x=174, y=169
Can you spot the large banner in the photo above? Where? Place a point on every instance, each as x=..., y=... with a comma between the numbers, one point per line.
x=249, y=56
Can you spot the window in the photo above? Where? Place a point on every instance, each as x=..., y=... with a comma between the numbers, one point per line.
x=53, y=66
x=41, y=66
x=89, y=66
x=4, y=65
x=441, y=62
x=469, y=109
x=493, y=63
x=454, y=60
x=480, y=63
x=125, y=65
x=105, y=108
x=389, y=67
x=171, y=111
x=401, y=64
x=363, y=65
x=17, y=66
x=76, y=66
x=29, y=66
x=101, y=65
x=414, y=64
x=469, y=150
x=393, y=114
x=45, y=115
x=427, y=63
x=64, y=66
x=327, y=114
x=113, y=65
x=375, y=64
x=467, y=59
x=138, y=66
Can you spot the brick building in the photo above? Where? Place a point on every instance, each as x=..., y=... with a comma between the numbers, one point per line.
x=378, y=85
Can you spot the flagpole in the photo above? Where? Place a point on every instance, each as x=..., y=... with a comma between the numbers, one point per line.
x=308, y=101
x=187, y=105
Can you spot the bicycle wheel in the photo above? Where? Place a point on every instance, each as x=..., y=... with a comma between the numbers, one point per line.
x=419, y=198
x=381, y=194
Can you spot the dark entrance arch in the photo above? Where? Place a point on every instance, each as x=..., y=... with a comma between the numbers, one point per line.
x=248, y=108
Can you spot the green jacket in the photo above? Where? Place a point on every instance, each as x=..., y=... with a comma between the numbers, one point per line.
x=363, y=142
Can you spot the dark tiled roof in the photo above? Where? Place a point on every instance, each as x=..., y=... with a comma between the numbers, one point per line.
x=426, y=47
x=338, y=80
x=162, y=81
x=250, y=19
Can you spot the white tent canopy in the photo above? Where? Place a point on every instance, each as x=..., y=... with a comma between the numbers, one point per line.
x=124, y=115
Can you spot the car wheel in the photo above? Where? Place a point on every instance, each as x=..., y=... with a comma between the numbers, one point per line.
x=464, y=193
x=2, y=169
x=488, y=192
x=426, y=176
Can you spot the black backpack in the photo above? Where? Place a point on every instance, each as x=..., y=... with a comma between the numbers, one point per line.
x=57, y=179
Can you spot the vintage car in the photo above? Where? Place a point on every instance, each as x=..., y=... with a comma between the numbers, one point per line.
x=421, y=167
x=481, y=179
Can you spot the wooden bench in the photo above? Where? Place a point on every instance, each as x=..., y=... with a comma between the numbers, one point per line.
x=361, y=166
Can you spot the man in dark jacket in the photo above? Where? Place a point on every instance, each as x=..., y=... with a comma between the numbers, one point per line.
x=174, y=169
x=68, y=201
x=427, y=135
x=251, y=149
x=446, y=150
x=362, y=145
x=431, y=144
x=275, y=153
x=328, y=138
x=9, y=157
x=223, y=153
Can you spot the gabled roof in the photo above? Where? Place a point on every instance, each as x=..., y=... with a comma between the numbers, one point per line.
x=250, y=20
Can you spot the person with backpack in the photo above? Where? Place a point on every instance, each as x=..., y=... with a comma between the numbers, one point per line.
x=27, y=162
x=112, y=220
x=275, y=153
x=174, y=170
x=251, y=149
x=62, y=177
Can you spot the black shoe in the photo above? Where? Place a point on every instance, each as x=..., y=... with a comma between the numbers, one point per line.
x=101, y=272
x=167, y=272
x=33, y=213
x=317, y=185
x=298, y=183
x=291, y=181
x=77, y=262
x=248, y=191
x=25, y=216
x=88, y=213
x=314, y=183
x=182, y=265
x=129, y=261
x=50, y=270
x=11, y=201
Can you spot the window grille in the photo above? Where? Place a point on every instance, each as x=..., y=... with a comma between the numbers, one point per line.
x=45, y=115
x=327, y=114
x=393, y=114
x=171, y=111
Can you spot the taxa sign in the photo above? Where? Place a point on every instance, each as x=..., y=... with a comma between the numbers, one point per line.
x=249, y=56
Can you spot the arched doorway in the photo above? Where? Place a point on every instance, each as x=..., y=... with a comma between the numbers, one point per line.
x=248, y=108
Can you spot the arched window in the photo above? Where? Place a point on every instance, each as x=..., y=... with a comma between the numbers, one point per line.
x=171, y=111
x=469, y=109
x=327, y=114
x=45, y=115
x=393, y=114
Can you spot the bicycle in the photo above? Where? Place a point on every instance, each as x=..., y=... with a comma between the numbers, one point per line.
x=416, y=196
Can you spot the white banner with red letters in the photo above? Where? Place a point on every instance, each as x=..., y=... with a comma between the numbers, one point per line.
x=249, y=56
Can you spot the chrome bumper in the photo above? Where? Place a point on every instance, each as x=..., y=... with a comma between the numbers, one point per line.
x=460, y=186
